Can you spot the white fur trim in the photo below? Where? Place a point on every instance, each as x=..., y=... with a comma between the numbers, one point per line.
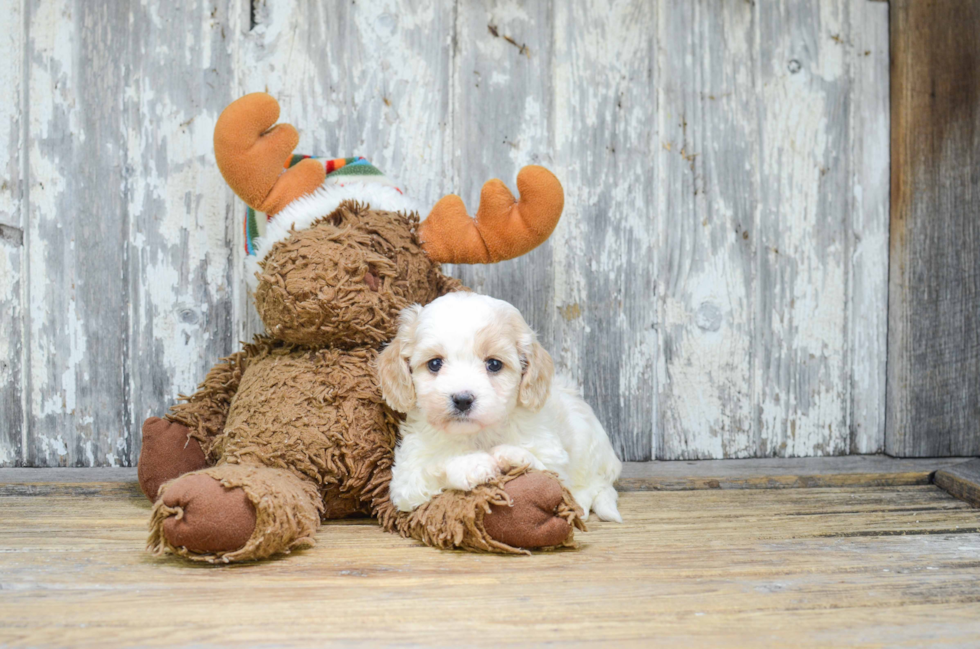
x=302, y=212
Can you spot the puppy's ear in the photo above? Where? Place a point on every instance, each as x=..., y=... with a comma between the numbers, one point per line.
x=394, y=374
x=539, y=369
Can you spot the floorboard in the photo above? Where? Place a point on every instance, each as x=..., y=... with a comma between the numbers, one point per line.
x=875, y=566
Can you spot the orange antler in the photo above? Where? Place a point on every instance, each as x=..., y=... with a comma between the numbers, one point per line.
x=252, y=154
x=503, y=228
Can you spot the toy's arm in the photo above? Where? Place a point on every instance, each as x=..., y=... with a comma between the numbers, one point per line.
x=205, y=411
x=509, y=514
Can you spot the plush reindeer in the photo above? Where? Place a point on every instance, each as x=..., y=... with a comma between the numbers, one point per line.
x=292, y=429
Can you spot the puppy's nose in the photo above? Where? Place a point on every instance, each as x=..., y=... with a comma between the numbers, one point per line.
x=463, y=401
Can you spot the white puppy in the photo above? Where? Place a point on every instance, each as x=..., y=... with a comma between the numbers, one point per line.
x=476, y=387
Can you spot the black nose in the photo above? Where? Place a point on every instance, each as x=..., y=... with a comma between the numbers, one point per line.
x=463, y=401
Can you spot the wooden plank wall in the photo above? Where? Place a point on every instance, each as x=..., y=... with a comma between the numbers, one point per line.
x=718, y=284
x=934, y=311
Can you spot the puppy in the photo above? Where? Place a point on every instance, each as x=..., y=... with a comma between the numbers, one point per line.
x=477, y=389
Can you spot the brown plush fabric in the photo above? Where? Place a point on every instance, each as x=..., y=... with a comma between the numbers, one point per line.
x=168, y=451
x=504, y=228
x=470, y=520
x=286, y=514
x=314, y=412
x=311, y=287
x=208, y=517
x=541, y=513
x=205, y=411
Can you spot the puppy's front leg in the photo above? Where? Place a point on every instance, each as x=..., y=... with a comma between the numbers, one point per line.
x=468, y=471
x=510, y=457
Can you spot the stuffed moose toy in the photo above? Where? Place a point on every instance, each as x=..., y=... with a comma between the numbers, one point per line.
x=292, y=429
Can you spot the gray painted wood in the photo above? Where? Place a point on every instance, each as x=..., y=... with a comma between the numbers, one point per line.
x=708, y=148
x=758, y=244
x=716, y=285
x=77, y=233
x=127, y=248
x=181, y=217
x=801, y=242
x=934, y=306
x=71, y=476
x=867, y=313
x=604, y=262
x=12, y=188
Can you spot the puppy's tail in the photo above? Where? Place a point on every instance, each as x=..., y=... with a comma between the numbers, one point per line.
x=605, y=507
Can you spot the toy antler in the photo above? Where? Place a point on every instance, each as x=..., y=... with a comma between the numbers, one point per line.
x=252, y=154
x=504, y=228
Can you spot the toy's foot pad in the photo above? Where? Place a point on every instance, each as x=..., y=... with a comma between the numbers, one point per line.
x=207, y=517
x=533, y=521
x=167, y=453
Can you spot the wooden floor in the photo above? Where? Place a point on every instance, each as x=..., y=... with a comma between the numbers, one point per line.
x=877, y=566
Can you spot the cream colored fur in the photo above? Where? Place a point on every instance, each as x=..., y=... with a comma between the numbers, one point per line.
x=518, y=415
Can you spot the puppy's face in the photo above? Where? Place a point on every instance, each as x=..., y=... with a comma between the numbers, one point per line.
x=466, y=361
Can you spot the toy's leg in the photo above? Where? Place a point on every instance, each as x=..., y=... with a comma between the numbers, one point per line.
x=178, y=444
x=168, y=451
x=515, y=512
x=233, y=512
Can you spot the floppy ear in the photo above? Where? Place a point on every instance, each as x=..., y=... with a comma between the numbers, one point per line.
x=539, y=369
x=393, y=371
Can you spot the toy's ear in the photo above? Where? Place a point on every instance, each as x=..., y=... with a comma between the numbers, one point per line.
x=504, y=227
x=394, y=374
x=253, y=154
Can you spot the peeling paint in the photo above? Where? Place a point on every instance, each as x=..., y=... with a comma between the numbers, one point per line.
x=716, y=285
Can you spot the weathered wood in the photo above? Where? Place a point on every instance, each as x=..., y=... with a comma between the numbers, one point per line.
x=181, y=215
x=760, y=242
x=934, y=299
x=827, y=567
x=713, y=286
x=778, y=473
x=867, y=302
x=603, y=133
x=961, y=480
x=800, y=237
x=77, y=232
x=12, y=188
x=708, y=120
x=129, y=239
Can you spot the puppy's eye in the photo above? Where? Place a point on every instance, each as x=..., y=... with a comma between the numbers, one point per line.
x=434, y=365
x=494, y=366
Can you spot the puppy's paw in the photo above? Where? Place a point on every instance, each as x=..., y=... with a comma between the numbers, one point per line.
x=468, y=471
x=512, y=457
